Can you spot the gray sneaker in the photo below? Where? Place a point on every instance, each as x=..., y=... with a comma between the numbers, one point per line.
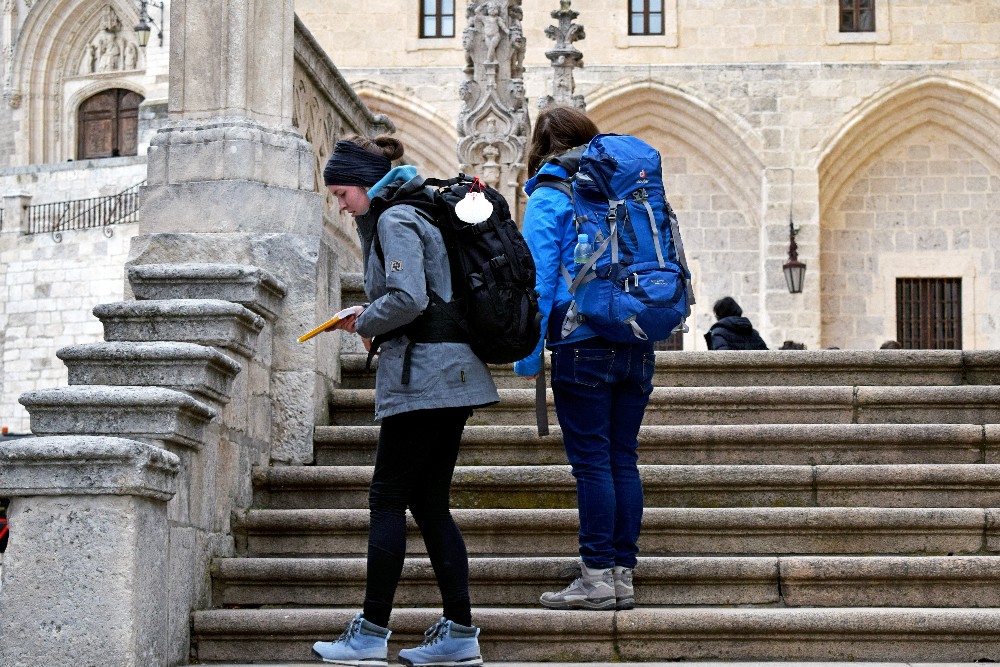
x=593, y=589
x=624, y=593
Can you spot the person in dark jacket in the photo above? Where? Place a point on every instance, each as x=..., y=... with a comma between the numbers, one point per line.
x=422, y=410
x=732, y=331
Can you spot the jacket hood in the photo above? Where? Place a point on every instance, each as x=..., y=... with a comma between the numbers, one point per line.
x=739, y=325
x=547, y=169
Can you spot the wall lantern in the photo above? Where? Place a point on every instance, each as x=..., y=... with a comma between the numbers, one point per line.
x=795, y=271
x=142, y=30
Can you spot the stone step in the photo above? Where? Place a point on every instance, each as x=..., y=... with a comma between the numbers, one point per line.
x=149, y=414
x=665, y=531
x=203, y=371
x=203, y=321
x=747, y=444
x=642, y=634
x=793, y=581
x=776, y=368
x=542, y=487
x=967, y=404
x=250, y=286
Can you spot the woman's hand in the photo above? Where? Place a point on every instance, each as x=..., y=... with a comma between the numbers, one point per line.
x=348, y=320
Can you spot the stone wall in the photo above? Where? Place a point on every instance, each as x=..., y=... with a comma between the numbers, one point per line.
x=764, y=112
x=47, y=292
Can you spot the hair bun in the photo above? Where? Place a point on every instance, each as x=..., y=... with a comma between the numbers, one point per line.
x=391, y=147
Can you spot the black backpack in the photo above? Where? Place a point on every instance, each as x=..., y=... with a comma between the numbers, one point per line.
x=494, y=306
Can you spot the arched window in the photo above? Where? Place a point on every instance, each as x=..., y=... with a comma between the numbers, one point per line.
x=108, y=124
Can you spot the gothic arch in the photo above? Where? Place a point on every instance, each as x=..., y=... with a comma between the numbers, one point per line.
x=965, y=110
x=908, y=186
x=49, y=61
x=669, y=115
x=429, y=138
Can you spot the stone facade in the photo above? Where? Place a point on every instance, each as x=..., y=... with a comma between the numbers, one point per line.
x=747, y=101
x=323, y=107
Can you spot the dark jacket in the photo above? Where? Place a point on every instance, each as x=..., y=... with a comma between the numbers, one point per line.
x=734, y=333
x=443, y=375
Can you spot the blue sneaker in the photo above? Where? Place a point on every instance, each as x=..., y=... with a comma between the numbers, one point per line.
x=362, y=643
x=446, y=644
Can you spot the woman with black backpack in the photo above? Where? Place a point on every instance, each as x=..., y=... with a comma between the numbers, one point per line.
x=424, y=394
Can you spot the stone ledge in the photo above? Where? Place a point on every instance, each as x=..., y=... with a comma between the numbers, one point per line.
x=729, y=444
x=656, y=633
x=142, y=413
x=189, y=367
x=502, y=581
x=203, y=321
x=86, y=465
x=675, y=531
x=250, y=286
x=552, y=486
x=932, y=581
x=966, y=404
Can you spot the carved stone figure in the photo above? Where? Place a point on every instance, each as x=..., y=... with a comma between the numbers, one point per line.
x=131, y=56
x=494, y=27
x=493, y=126
x=110, y=59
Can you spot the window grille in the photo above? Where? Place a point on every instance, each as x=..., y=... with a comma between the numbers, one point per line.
x=929, y=313
x=108, y=124
x=645, y=17
x=673, y=344
x=437, y=18
x=857, y=15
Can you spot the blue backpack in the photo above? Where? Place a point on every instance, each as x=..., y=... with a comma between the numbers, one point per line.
x=636, y=285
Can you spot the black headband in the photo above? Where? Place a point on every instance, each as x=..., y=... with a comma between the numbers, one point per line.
x=351, y=164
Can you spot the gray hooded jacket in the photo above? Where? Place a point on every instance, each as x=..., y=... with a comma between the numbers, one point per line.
x=442, y=375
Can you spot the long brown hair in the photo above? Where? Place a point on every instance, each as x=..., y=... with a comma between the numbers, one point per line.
x=557, y=130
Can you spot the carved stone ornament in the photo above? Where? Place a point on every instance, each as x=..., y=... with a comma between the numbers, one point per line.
x=564, y=57
x=13, y=99
x=111, y=49
x=493, y=126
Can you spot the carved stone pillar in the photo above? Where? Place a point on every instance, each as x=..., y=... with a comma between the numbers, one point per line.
x=232, y=182
x=493, y=125
x=565, y=58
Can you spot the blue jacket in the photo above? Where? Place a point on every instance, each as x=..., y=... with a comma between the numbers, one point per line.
x=551, y=237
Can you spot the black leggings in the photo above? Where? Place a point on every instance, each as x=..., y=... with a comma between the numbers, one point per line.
x=414, y=464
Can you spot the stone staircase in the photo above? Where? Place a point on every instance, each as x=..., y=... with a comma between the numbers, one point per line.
x=800, y=505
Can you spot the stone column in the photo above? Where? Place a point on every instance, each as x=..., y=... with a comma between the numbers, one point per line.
x=493, y=125
x=564, y=58
x=85, y=572
x=231, y=182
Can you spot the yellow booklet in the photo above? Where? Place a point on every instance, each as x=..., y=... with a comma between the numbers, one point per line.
x=353, y=310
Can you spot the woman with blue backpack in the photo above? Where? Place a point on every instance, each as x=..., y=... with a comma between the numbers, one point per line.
x=601, y=381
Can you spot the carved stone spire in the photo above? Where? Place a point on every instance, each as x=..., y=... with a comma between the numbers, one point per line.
x=493, y=124
x=565, y=57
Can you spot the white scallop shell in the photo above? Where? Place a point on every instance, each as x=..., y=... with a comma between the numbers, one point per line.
x=473, y=208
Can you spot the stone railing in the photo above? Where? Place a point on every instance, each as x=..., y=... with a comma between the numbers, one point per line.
x=325, y=108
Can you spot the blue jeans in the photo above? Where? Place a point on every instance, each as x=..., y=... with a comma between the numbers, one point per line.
x=601, y=390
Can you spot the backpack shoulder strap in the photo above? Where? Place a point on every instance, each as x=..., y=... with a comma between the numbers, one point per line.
x=570, y=163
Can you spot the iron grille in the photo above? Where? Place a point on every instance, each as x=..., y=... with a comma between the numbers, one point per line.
x=58, y=217
x=929, y=313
